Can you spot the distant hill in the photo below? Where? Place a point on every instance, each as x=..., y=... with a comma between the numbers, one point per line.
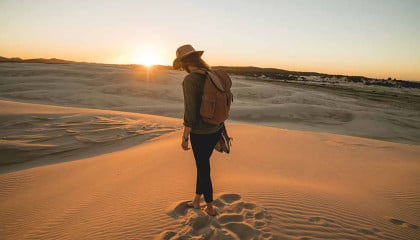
x=272, y=74
x=35, y=60
x=257, y=70
x=314, y=77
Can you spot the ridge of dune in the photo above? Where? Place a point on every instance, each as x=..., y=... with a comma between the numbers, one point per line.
x=30, y=132
x=311, y=185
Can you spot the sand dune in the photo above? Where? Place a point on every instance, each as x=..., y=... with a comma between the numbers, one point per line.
x=276, y=184
x=127, y=88
x=78, y=172
x=31, y=132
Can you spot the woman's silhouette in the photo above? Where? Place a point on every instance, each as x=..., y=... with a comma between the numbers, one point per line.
x=203, y=136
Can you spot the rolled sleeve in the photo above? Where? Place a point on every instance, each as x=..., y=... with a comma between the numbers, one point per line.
x=190, y=102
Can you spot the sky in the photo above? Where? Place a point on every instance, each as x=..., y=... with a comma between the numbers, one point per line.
x=374, y=38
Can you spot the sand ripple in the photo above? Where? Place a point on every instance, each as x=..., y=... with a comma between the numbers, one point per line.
x=28, y=137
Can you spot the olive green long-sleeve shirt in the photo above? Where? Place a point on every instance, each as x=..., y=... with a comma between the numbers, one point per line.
x=192, y=86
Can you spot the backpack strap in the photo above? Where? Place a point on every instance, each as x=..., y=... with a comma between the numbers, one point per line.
x=214, y=78
x=201, y=71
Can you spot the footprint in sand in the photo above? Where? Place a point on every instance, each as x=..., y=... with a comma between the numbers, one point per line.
x=372, y=231
x=320, y=221
x=236, y=219
x=402, y=223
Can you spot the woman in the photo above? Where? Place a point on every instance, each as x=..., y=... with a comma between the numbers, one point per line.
x=203, y=136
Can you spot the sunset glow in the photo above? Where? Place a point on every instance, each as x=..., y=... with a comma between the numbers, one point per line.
x=147, y=58
x=377, y=38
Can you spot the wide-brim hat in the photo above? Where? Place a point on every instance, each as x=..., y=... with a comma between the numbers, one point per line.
x=182, y=52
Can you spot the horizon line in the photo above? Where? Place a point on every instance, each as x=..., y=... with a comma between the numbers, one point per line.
x=163, y=65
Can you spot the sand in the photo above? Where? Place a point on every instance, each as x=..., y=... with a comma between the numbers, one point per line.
x=369, y=114
x=275, y=184
x=32, y=132
x=82, y=158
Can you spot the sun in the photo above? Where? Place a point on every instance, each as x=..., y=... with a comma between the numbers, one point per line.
x=147, y=58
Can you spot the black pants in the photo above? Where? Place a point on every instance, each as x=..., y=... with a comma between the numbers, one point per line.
x=203, y=146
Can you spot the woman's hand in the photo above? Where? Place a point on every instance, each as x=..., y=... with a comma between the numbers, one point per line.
x=185, y=138
x=184, y=144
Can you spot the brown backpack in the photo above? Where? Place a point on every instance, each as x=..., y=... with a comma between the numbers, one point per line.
x=217, y=97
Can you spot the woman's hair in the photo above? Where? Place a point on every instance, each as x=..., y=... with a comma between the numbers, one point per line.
x=194, y=60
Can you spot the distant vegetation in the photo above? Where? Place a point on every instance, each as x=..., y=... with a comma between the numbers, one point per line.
x=266, y=73
x=285, y=75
